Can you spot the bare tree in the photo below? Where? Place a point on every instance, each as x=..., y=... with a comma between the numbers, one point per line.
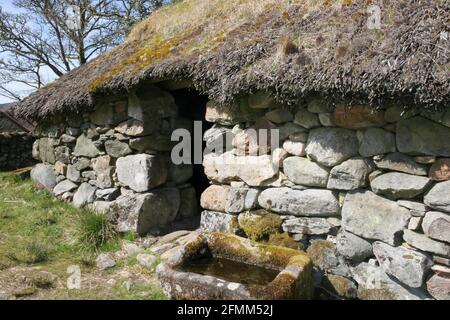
x=52, y=37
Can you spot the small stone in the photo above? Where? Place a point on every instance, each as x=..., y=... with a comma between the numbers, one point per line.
x=73, y=174
x=60, y=168
x=358, y=117
x=425, y=159
x=308, y=226
x=400, y=162
x=340, y=286
x=295, y=148
x=161, y=249
x=155, y=142
x=85, y=147
x=307, y=119
x=327, y=120
x=438, y=286
x=82, y=163
x=422, y=242
x=441, y=260
x=241, y=199
x=400, y=185
x=440, y=170
x=436, y=225
x=75, y=132
x=408, y=266
x=414, y=206
x=218, y=222
x=350, y=175
x=304, y=172
x=352, y=247
x=63, y=187
x=375, y=175
x=415, y=223
x=131, y=249
x=299, y=137
x=438, y=197
x=332, y=146
x=279, y=116
x=136, y=128
x=108, y=194
x=47, y=150
x=290, y=129
x=65, y=138
x=103, y=171
x=84, y=195
x=215, y=197
x=376, y=141
x=105, y=261
x=325, y=257
x=117, y=149
x=172, y=237
x=319, y=105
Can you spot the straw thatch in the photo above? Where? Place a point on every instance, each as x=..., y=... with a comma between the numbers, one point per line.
x=292, y=48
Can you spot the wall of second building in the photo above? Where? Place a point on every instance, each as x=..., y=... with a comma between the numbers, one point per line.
x=366, y=192
x=15, y=150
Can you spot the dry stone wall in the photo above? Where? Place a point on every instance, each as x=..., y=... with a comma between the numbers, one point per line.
x=117, y=159
x=15, y=150
x=366, y=192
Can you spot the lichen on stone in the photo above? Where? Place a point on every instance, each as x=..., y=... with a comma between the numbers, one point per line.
x=259, y=225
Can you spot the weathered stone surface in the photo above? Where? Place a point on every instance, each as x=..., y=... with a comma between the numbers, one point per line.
x=141, y=212
x=319, y=105
x=419, y=136
x=358, y=117
x=63, y=187
x=219, y=114
x=325, y=257
x=85, y=147
x=305, y=172
x=89, y=175
x=62, y=154
x=68, y=139
x=422, y=242
x=372, y=217
x=436, y=225
x=332, y=146
x=47, y=150
x=413, y=206
x=376, y=141
x=84, y=195
x=103, y=114
x=279, y=116
x=295, y=148
x=155, y=142
x=408, y=266
x=73, y=174
x=352, y=247
x=308, y=226
x=214, y=198
x=256, y=140
x=60, y=168
x=279, y=155
x=136, y=128
x=108, y=194
x=439, y=197
x=44, y=176
x=375, y=284
x=318, y=203
x=340, y=286
x=400, y=162
x=396, y=185
x=260, y=224
x=82, y=163
x=350, y=175
x=415, y=223
x=442, y=117
x=439, y=286
x=150, y=103
x=425, y=159
x=146, y=260
x=307, y=119
x=290, y=129
x=218, y=222
x=141, y=172
x=440, y=170
x=327, y=120
x=103, y=171
x=117, y=149
x=397, y=113
x=105, y=261
x=241, y=199
x=253, y=170
x=261, y=100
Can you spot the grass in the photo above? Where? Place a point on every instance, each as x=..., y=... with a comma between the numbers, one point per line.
x=39, y=231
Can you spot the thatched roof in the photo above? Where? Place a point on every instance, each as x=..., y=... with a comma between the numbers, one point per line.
x=292, y=48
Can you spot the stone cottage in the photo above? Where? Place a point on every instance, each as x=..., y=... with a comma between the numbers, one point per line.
x=361, y=175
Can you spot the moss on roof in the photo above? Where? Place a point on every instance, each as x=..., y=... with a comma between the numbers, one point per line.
x=292, y=48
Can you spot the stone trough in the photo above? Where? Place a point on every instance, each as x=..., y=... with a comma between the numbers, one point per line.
x=217, y=266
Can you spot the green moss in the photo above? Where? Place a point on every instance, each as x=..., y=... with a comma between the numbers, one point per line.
x=284, y=240
x=259, y=225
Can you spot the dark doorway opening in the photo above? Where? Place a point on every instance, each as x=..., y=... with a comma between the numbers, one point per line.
x=192, y=107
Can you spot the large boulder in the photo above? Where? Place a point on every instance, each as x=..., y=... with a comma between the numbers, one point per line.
x=438, y=197
x=253, y=170
x=141, y=212
x=141, y=172
x=436, y=225
x=310, y=203
x=352, y=247
x=304, y=172
x=376, y=141
x=373, y=217
x=400, y=162
x=44, y=176
x=85, y=195
x=419, y=136
x=395, y=185
x=350, y=175
x=408, y=266
x=424, y=243
x=332, y=146
x=85, y=147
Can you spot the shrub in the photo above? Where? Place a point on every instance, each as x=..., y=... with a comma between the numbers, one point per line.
x=95, y=230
